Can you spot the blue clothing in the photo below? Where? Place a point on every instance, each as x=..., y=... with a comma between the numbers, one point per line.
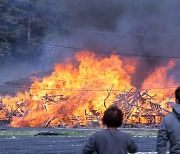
x=110, y=142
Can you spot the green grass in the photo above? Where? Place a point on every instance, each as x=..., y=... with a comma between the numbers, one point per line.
x=17, y=133
x=142, y=133
x=38, y=133
x=148, y=133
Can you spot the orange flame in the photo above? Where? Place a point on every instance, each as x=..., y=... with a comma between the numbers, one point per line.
x=77, y=89
x=158, y=80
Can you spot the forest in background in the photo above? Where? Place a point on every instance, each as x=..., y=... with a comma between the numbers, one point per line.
x=24, y=23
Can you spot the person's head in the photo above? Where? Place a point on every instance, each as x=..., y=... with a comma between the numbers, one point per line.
x=177, y=95
x=112, y=117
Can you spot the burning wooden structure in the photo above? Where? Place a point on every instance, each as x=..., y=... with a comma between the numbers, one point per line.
x=137, y=106
x=75, y=93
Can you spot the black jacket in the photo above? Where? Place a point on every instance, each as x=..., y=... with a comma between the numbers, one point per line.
x=169, y=130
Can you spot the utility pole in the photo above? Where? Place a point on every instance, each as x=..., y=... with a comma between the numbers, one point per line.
x=29, y=41
x=29, y=29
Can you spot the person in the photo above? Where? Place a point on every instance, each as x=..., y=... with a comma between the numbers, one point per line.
x=169, y=129
x=110, y=140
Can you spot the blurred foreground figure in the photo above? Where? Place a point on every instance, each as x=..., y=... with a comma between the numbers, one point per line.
x=169, y=129
x=110, y=140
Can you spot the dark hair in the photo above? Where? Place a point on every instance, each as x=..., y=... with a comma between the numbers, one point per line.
x=177, y=94
x=113, y=117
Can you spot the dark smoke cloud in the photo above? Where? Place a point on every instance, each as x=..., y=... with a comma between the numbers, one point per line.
x=127, y=17
x=143, y=27
x=146, y=27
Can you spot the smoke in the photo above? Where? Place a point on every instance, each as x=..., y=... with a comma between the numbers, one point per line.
x=111, y=19
x=144, y=27
x=13, y=71
x=141, y=27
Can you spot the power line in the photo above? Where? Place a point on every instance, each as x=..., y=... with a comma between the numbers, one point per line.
x=81, y=89
x=107, y=32
x=14, y=82
x=100, y=32
x=96, y=51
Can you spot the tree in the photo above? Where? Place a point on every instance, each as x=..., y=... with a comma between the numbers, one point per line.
x=24, y=24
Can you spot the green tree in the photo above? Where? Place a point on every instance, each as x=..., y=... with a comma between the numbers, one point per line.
x=24, y=24
x=10, y=29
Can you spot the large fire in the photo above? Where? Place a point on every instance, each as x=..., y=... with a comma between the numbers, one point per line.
x=79, y=88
